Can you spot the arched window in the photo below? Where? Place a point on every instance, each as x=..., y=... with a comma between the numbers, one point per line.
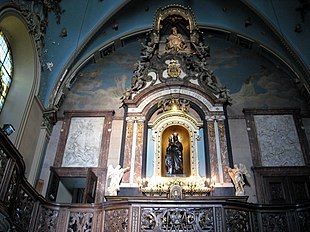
x=6, y=68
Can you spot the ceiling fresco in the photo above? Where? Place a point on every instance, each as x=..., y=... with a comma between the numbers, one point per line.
x=93, y=25
x=251, y=79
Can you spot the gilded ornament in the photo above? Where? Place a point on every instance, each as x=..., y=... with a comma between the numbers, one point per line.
x=174, y=69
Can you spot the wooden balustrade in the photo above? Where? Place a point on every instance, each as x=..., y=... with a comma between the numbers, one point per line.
x=23, y=209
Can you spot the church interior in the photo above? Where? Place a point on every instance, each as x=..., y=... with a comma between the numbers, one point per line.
x=189, y=115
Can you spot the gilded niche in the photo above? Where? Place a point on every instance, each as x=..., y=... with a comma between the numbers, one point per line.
x=175, y=152
x=174, y=155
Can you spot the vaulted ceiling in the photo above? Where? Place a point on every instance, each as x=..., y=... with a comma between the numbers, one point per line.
x=86, y=27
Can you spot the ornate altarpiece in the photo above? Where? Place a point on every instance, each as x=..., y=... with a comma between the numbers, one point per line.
x=173, y=91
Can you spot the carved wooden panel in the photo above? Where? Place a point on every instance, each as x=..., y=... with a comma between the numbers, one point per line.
x=237, y=220
x=10, y=194
x=300, y=189
x=3, y=163
x=219, y=219
x=47, y=220
x=275, y=190
x=91, y=186
x=274, y=222
x=135, y=219
x=255, y=222
x=23, y=207
x=80, y=221
x=304, y=220
x=116, y=220
x=282, y=185
x=177, y=219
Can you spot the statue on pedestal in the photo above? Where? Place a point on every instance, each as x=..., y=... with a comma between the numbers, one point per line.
x=174, y=155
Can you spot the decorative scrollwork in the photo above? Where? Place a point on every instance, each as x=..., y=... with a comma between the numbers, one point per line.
x=10, y=195
x=148, y=220
x=49, y=119
x=116, y=220
x=3, y=162
x=177, y=219
x=173, y=104
x=273, y=222
x=206, y=220
x=80, y=222
x=237, y=220
x=303, y=220
x=48, y=220
x=36, y=15
x=23, y=209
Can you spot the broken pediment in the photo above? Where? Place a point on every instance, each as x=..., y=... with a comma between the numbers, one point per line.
x=176, y=28
x=174, y=51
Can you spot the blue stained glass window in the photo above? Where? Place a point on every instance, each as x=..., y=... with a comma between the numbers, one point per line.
x=6, y=68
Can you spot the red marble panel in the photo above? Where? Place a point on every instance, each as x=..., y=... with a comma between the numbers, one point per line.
x=127, y=152
x=224, y=152
x=139, y=149
x=212, y=150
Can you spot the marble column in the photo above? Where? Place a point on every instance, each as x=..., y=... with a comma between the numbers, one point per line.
x=133, y=149
x=128, y=148
x=223, y=148
x=218, y=148
x=212, y=148
x=137, y=164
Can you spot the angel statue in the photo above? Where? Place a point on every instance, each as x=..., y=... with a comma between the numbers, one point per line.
x=115, y=175
x=238, y=174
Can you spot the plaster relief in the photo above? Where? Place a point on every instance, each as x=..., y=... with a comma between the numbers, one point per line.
x=84, y=142
x=278, y=140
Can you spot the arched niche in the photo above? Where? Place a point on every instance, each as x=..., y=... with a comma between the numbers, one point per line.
x=205, y=109
x=183, y=13
x=187, y=127
x=184, y=138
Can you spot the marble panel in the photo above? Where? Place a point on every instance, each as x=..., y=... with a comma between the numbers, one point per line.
x=212, y=151
x=278, y=140
x=128, y=150
x=83, y=144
